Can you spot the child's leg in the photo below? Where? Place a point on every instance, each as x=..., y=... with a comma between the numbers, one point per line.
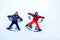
x=30, y=23
x=37, y=25
x=10, y=25
x=17, y=26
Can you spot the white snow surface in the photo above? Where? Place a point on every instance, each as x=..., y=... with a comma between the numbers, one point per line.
x=48, y=8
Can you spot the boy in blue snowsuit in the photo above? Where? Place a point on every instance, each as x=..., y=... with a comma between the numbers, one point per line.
x=14, y=20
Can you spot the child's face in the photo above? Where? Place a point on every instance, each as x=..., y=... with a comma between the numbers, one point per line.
x=16, y=13
x=36, y=13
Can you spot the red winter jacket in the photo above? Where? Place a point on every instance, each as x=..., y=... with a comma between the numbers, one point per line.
x=35, y=18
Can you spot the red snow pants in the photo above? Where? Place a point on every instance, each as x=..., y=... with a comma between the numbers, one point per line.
x=36, y=22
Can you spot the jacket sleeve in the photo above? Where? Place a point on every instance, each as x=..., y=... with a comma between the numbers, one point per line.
x=41, y=17
x=31, y=14
x=9, y=15
x=20, y=18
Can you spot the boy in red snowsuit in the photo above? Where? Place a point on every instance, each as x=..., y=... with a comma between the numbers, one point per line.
x=35, y=20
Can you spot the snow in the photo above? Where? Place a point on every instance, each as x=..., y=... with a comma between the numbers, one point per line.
x=48, y=8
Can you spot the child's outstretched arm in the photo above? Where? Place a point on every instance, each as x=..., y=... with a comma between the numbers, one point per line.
x=41, y=17
x=9, y=15
x=20, y=18
x=31, y=14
